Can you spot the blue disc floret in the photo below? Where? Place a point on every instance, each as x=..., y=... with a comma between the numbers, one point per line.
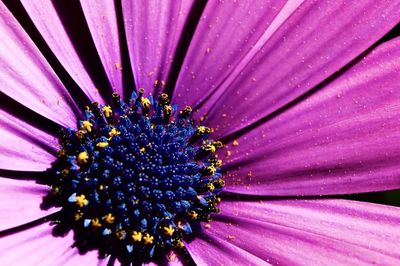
x=135, y=179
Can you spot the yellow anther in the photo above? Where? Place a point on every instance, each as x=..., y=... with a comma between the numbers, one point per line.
x=211, y=187
x=145, y=102
x=78, y=215
x=211, y=169
x=218, y=163
x=218, y=144
x=143, y=149
x=55, y=190
x=148, y=239
x=64, y=172
x=179, y=244
x=113, y=132
x=201, y=129
x=188, y=108
x=107, y=110
x=193, y=214
x=87, y=125
x=81, y=201
x=169, y=230
x=109, y=218
x=83, y=157
x=120, y=234
x=80, y=134
x=102, y=144
x=168, y=109
x=136, y=236
x=164, y=96
x=218, y=200
x=60, y=153
x=96, y=222
x=211, y=148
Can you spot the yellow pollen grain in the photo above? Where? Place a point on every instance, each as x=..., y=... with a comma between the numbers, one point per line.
x=102, y=144
x=109, y=218
x=81, y=201
x=80, y=134
x=193, y=214
x=78, y=215
x=87, y=125
x=218, y=163
x=148, y=239
x=235, y=143
x=96, y=222
x=210, y=148
x=143, y=149
x=55, y=190
x=113, y=132
x=211, y=187
x=107, y=110
x=120, y=234
x=64, y=172
x=179, y=244
x=136, y=236
x=168, y=109
x=60, y=153
x=207, y=226
x=83, y=157
x=211, y=169
x=145, y=102
x=172, y=257
x=228, y=153
x=169, y=230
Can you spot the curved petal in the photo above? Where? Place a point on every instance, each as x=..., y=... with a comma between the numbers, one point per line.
x=152, y=30
x=227, y=33
x=37, y=246
x=26, y=77
x=102, y=21
x=210, y=250
x=342, y=139
x=24, y=147
x=318, y=39
x=20, y=202
x=47, y=21
x=304, y=232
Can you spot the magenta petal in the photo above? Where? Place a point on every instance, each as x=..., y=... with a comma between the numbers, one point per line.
x=152, y=30
x=318, y=39
x=37, y=246
x=342, y=139
x=24, y=147
x=47, y=21
x=33, y=246
x=101, y=17
x=20, y=202
x=227, y=33
x=26, y=77
x=210, y=250
x=305, y=232
x=71, y=256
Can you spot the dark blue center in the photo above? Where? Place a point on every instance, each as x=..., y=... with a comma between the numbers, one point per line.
x=135, y=179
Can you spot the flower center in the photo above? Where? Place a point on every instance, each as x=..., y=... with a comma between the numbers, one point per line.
x=135, y=179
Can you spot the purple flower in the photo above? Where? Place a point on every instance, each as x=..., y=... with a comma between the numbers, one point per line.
x=304, y=95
